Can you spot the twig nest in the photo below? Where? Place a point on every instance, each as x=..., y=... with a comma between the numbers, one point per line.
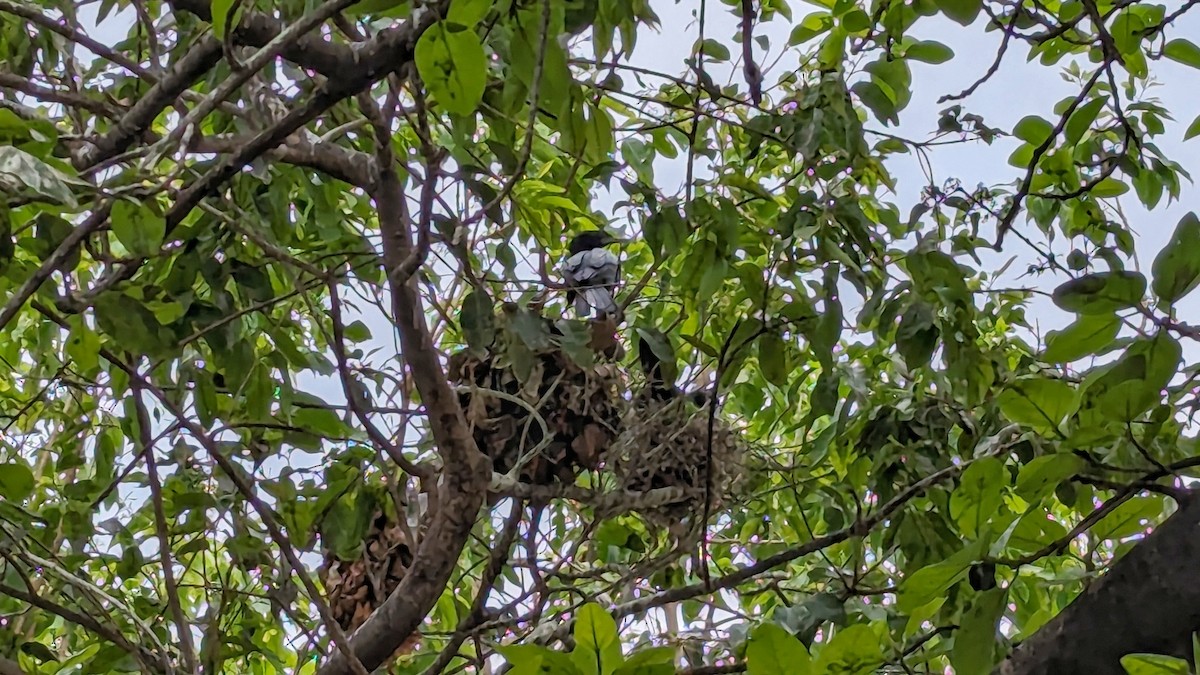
x=356, y=588
x=666, y=444
x=538, y=400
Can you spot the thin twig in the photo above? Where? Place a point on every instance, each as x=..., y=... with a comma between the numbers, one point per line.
x=1010, y=215
x=1008, y=35
x=146, y=441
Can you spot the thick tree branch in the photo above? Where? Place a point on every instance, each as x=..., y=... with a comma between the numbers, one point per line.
x=256, y=29
x=465, y=469
x=1148, y=602
x=288, y=36
x=51, y=95
x=344, y=164
x=202, y=57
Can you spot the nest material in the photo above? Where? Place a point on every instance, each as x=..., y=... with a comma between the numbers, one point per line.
x=580, y=406
x=665, y=444
x=356, y=588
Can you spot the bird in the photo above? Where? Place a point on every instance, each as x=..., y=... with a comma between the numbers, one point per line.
x=591, y=272
x=660, y=375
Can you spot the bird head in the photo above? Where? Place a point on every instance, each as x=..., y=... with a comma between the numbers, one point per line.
x=586, y=241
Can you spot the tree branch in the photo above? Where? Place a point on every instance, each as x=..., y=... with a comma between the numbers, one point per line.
x=859, y=528
x=199, y=60
x=146, y=441
x=1147, y=602
x=465, y=469
x=349, y=166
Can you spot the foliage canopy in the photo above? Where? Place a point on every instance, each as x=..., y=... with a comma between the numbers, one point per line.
x=241, y=242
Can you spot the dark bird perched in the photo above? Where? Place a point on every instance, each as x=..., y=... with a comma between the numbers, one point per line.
x=660, y=374
x=591, y=272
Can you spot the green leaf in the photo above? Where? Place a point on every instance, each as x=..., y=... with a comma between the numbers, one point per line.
x=596, y=631
x=1038, y=402
x=773, y=359
x=1087, y=335
x=665, y=231
x=1130, y=518
x=1134, y=384
x=772, y=650
x=395, y=9
x=917, y=335
x=977, y=498
x=16, y=481
x=712, y=278
x=824, y=397
x=1101, y=293
x=576, y=341
x=856, y=21
x=931, y=581
x=1196, y=650
x=1154, y=664
x=1176, y=269
x=974, y=650
x=537, y=660
x=649, y=661
x=137, y=227
x=478, y=321
x=1039, y=477
x=1081, y=120
x=1033, y=130
x=531, y=328
x=453, y=66
x=1193, y=129
x=809, y=27
x=713, y=50
x=219, y=10
x=49, y=233
x=83, y=347
x=660, y=344
x=357, y=331
x=855, y=649
x=468, y=12
x=320, y=421
x=929, y=51
x=344, y=527
x=1183, y=51
x=24, y=175
x=963, y=12
x=1109, y=187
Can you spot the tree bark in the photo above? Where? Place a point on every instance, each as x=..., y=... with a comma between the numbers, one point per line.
x=1149, y=602
x=465, y=471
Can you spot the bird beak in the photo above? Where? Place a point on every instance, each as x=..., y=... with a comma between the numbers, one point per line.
x=609, y=239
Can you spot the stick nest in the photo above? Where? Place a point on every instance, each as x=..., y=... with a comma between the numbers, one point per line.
x=538, y=368
x=664, y=444
x=356, y=588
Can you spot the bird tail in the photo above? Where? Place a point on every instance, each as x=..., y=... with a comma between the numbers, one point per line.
x=599, y=298
x=581, y=304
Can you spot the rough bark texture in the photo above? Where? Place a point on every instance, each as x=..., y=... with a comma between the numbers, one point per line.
x=256, y=29
x=1149, y=602
x=465, y=471
x=199, y=60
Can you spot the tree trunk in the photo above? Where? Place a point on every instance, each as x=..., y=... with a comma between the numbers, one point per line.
x=1149, y=602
